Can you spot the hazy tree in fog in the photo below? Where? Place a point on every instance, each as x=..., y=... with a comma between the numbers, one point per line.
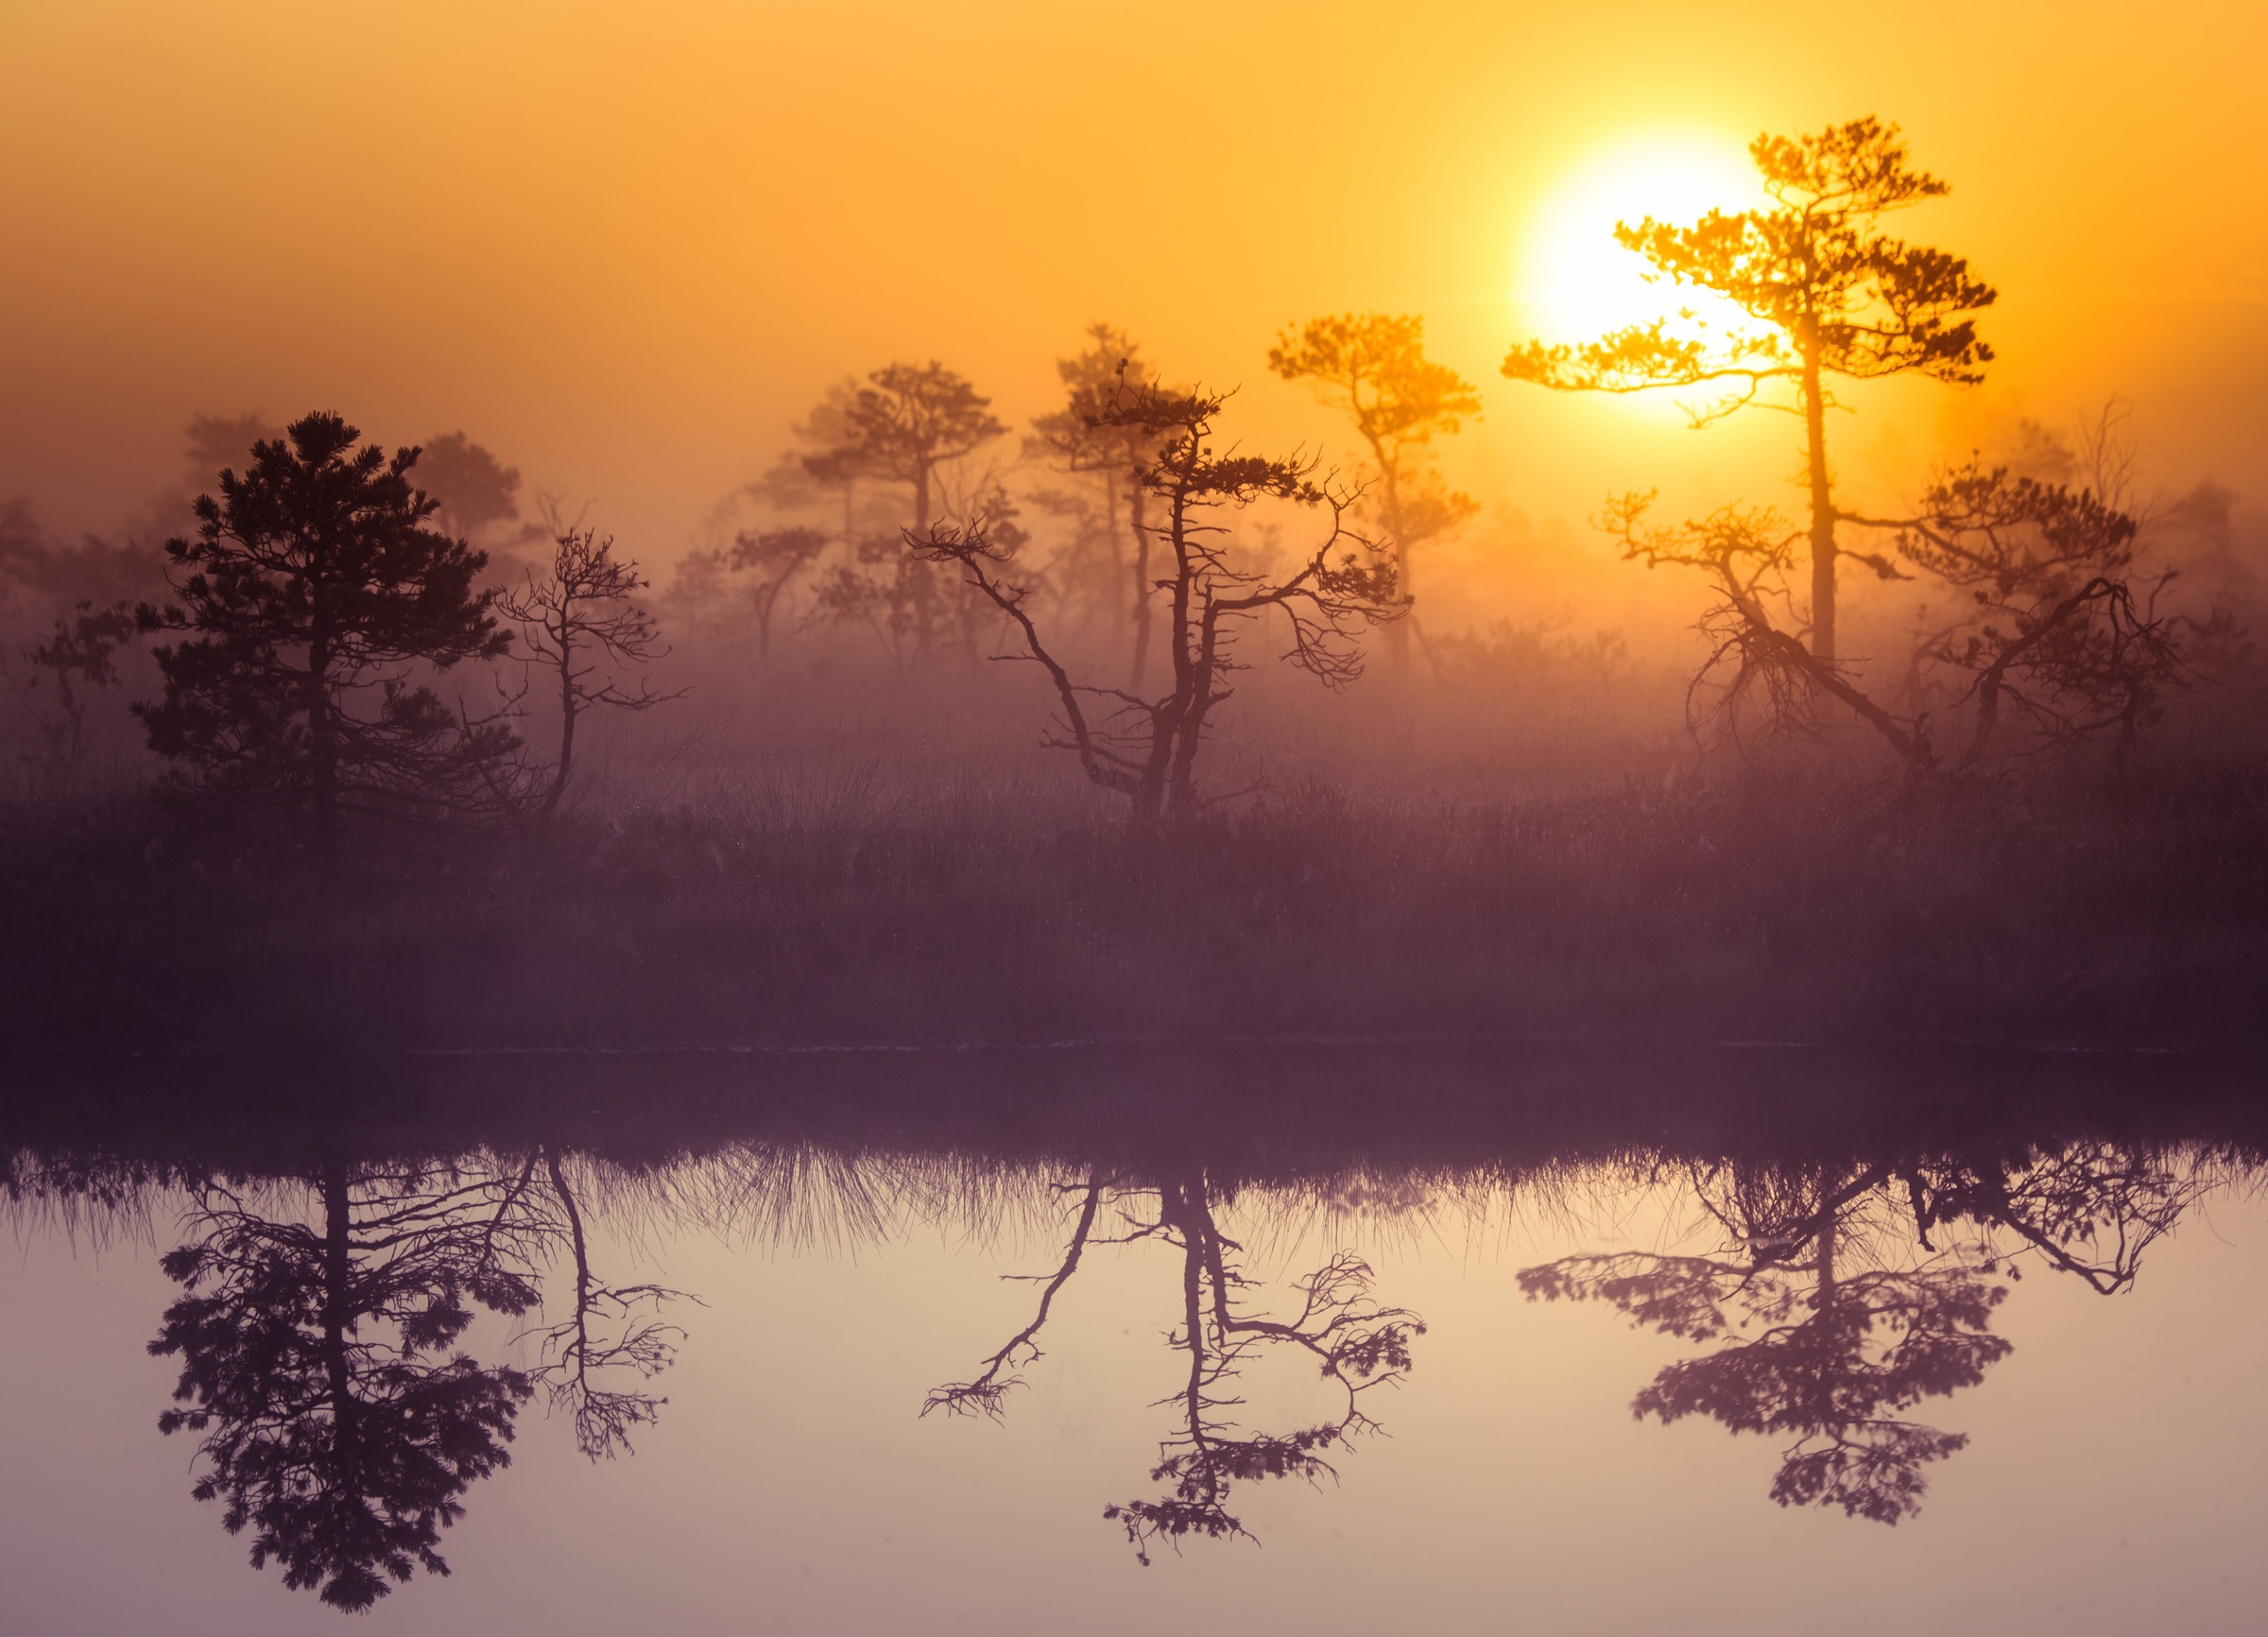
x=36, y=568
x=1372, y=367
x=794, y=482
x=1080, y=438
x=773, y=558
x=79, y=657
x=1146, y=748
x=1354, y=1343
x=579, y=620
x=2055, y=627
x=906, y=424
x=908, y=421
x=1830, y=293
x=311, y=589
x=473, y=491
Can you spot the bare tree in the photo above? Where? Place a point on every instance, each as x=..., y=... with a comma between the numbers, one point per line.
x=1752, y=657
x=1355, y=1344
x=604, y=1338
x=2057, y=624
x=578, y=618
x=1145, y=749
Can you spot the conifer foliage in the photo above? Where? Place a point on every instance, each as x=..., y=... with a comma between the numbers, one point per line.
x=310, y=597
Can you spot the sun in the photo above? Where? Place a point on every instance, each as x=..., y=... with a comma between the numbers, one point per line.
x=1575, y=282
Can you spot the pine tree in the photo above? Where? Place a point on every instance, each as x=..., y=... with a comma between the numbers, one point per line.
x=311, y=593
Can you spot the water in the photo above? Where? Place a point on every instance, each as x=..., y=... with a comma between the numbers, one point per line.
x=1972, y=1341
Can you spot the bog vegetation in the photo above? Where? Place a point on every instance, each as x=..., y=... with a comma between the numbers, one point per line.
x=336, y=738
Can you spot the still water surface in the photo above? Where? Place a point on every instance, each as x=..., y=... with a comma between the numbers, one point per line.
x=1324, y=1358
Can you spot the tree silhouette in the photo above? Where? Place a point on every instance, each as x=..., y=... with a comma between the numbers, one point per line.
x=1746, y=554
x=1145, y=749
x=604, y=1338
x=1372, y=368
x=906, y=424
x=339, y=1419
x=1825, y=1324
x=312, y=588
x=1832, y=294
x=2055, y=625
x=1808, y=1346
x=1354, y=1344
x=337, y=1425
x=576, y=617
x=1081, y=437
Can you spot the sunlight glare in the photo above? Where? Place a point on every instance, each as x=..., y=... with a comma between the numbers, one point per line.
x=1576, y=282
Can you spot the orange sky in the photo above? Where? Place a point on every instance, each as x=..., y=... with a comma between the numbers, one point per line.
x=623, y=246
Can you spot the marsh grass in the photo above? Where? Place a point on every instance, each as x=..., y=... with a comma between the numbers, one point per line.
x=843, y=904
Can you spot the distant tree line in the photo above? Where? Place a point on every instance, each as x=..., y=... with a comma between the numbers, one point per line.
x=348, y=636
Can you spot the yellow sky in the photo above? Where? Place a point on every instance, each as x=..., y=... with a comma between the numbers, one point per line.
x=625, y=245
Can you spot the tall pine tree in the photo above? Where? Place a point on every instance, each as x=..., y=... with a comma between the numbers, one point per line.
x=311, y=593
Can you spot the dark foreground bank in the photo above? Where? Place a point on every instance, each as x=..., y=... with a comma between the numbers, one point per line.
x=2084, y=911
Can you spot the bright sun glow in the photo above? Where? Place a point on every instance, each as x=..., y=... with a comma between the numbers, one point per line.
x=1576, y=282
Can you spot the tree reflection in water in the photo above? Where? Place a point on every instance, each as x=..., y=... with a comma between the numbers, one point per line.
x=1834, y=1309
x=329, y=1315
x=340, y=1421
x=1355, y=1344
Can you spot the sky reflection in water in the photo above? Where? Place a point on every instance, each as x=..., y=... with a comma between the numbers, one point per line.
x=1303, y=1370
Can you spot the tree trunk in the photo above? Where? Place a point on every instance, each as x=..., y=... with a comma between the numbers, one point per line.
x=567, y=715
x=1823, y=504
x=1397, y=633
x=338, y=1297
x=1142, y=589
x=322, y=743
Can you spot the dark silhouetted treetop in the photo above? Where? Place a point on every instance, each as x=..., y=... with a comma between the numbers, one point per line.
x=311, y=589
x=906, y=421
x=1825, y=291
